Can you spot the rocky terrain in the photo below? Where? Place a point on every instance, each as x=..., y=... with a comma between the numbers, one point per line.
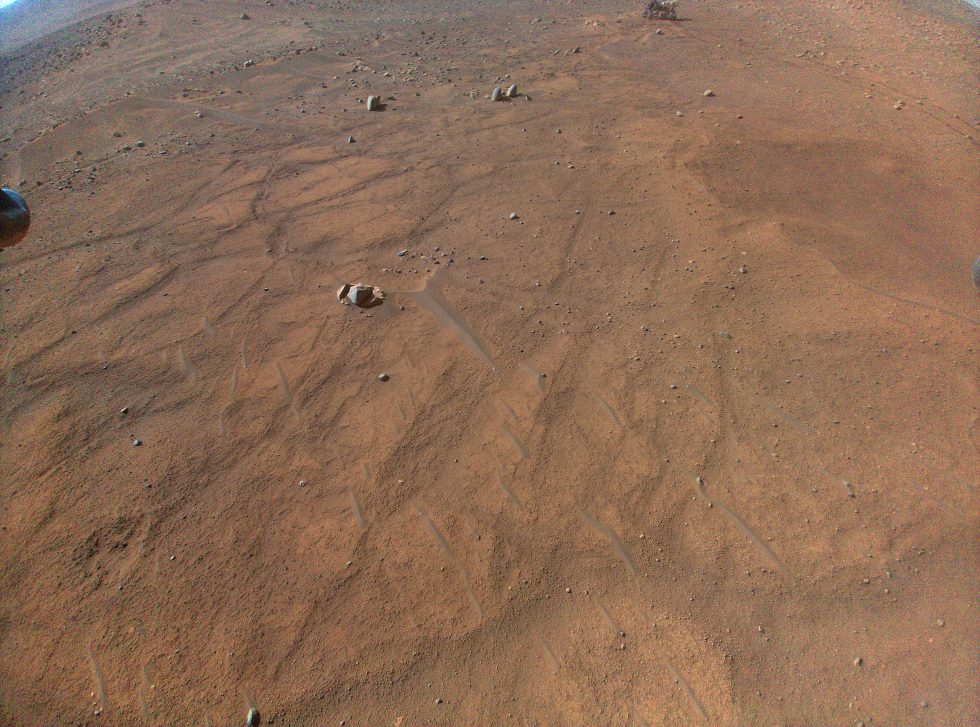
x=668, y=414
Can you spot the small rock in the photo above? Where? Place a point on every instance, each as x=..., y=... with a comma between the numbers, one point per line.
x=199, y=114
x=373, y=103
x=940, y=622
x=137, y=443
x=140, y=144
x=438, y=700
x=383, y=377
x=350, y=139
x=253, y=719
x=924, y=703
x=246, y=16
x=402, y=253
x=511, y=91
x=660, y=31
x=361, y=295
x=124, y=410
x=302, y=483
x=858, y=661
x=248, y=64
x=725, y=334
x=743, y=270
x=709, y=93
x=513, y=216
x=496, y=94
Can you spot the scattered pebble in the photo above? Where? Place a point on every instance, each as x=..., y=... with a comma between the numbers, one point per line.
x=743, y=270
x=513, y=216
x=137, y=443
x=124, y=410
x=350, y=139
x=858, y=661
x=383, y=377
x=709, y=93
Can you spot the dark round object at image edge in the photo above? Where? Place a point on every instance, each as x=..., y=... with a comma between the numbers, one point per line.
x=15, y=218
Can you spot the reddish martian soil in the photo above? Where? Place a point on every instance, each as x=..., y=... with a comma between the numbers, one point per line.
x=692, y=440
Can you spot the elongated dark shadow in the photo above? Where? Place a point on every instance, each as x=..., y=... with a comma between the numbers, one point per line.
x=679, y=678
x=787, y=417
x=609, y=534
x=146, y=689
x=608, y=410
x=287, y=397
x=451, y=554
x=698, y=393
x=507, y=408
x=99, y=678
x=186, y=367
x=536, y=376
x=510, y=495
x=740, y=524
x=607, y=617
x=355, y=508
x=549, y=655
x=437, y=534
x=515, y=442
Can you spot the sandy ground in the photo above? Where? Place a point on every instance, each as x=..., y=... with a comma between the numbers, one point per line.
x=693, y=440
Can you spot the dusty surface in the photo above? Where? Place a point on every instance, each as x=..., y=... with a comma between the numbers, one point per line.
x=467, y=542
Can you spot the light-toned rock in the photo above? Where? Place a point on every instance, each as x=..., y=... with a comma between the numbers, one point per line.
x=360, y=294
